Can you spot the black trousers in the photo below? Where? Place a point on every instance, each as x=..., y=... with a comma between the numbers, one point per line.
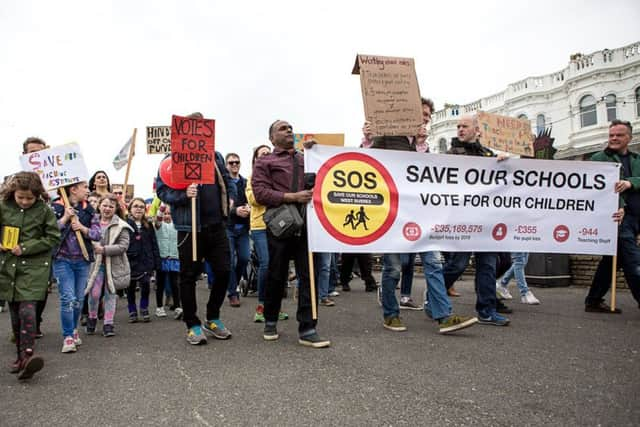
x=280, y=252
x=213, y=247
x=23, y=323
x=365, y=263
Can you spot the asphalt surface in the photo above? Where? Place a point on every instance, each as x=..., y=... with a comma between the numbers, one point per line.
x=554, y=365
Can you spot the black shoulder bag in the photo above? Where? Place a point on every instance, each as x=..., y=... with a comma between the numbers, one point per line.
x=285, y=220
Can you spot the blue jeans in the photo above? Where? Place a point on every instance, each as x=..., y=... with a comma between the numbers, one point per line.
x=485, y=282
x=518, y=263
x=406, y=281
x=262, y=252
x=334, y=273
x=322, y=264
x=72, y=278
x=239, y=245
x=628, y=259
x=439, y=303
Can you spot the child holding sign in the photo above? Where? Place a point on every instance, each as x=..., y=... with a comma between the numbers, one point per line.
x=29, y=233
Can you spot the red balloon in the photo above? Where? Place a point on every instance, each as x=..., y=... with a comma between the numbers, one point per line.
x=167, y=176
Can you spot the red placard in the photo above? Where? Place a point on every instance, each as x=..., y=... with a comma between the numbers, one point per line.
x=192, y=150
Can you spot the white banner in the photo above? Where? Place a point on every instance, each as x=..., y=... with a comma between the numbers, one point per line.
x=368, y=200
x=57, y=166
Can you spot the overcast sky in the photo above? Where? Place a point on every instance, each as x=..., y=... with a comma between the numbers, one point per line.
x=90, y=71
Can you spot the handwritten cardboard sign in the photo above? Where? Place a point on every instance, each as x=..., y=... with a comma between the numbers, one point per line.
x=192, y=150
x=506, y=133
x=336, y=139
x=158, y=139
x=390, y=94
x=57, y=166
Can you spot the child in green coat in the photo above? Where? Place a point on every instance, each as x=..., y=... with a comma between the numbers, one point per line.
x=29, y=234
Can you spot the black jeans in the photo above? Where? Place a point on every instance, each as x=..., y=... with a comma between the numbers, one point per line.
x=365, y=263
x=628, y=259
x=280, y=252
x=213, y=247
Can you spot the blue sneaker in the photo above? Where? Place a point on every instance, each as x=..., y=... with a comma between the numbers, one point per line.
x=494, y=319
x=195, y=336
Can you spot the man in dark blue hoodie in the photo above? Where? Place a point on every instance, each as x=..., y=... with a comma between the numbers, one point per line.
x=212, y=210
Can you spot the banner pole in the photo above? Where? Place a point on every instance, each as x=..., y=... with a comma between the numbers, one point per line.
x=194, y=236
x=67, y=204
x=614, y=268
x=312, y=288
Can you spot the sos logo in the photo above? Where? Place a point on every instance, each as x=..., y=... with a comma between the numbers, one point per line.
x=355, y=199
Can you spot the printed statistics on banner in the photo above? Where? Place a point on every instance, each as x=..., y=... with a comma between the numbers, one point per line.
x=394, y=201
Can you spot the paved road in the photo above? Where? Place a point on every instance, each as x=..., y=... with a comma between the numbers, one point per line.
x=555, y=365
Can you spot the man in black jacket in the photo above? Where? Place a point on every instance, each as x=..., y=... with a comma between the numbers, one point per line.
x=467, y=144
x=212, y=210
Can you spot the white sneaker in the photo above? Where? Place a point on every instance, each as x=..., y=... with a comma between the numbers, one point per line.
x=68, y=345
x=502, y=291
x=334, y=294
x=177, y=314
x=529, y=298
x=76, y=338
x=160, y=312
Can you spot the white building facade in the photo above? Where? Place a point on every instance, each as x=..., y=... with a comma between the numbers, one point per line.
x=577, y=103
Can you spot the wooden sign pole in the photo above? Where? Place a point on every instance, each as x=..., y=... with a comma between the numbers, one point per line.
x=312, y=288
x=67, y=204
x=194, y=228
x=614, y=268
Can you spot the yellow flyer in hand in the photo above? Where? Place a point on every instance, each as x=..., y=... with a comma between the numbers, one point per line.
x=10, y=236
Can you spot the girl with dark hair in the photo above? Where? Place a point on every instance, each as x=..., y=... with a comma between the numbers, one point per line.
x=144, y=259
x=100, y=183
x=29, y=231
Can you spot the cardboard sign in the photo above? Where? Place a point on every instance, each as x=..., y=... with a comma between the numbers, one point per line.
x=192, y=150
x=158, y=139
x=336, y=139
x=506, y=133
x=390, y=94
x=10, y=236
x=57, y=166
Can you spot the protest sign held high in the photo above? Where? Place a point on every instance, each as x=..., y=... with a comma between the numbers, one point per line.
x=336, y=139
x=506, y=133
x=57, y=166
x=390, y=94
x=393, y=201
x=192, y=150
x=158, y=139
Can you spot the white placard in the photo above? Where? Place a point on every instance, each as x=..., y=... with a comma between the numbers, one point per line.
x=57, y=166
x=368, y=200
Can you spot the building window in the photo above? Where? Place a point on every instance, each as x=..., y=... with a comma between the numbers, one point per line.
x=540, y=124
x=611, y=107
x=588, y=116
x=442, y=145
x=638, y=102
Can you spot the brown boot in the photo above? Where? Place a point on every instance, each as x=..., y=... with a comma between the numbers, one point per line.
x=29, y=365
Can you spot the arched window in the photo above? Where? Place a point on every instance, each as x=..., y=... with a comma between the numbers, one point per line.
x=588, y=116
x=638, y=102
x=540, y=124
x=611, y=107
x=442, y=145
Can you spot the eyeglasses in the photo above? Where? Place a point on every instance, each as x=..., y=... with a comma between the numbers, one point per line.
x=233, y=162
x=138, y=207
x=118, y=193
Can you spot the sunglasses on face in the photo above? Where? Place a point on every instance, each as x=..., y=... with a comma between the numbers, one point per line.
x=233, y=163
